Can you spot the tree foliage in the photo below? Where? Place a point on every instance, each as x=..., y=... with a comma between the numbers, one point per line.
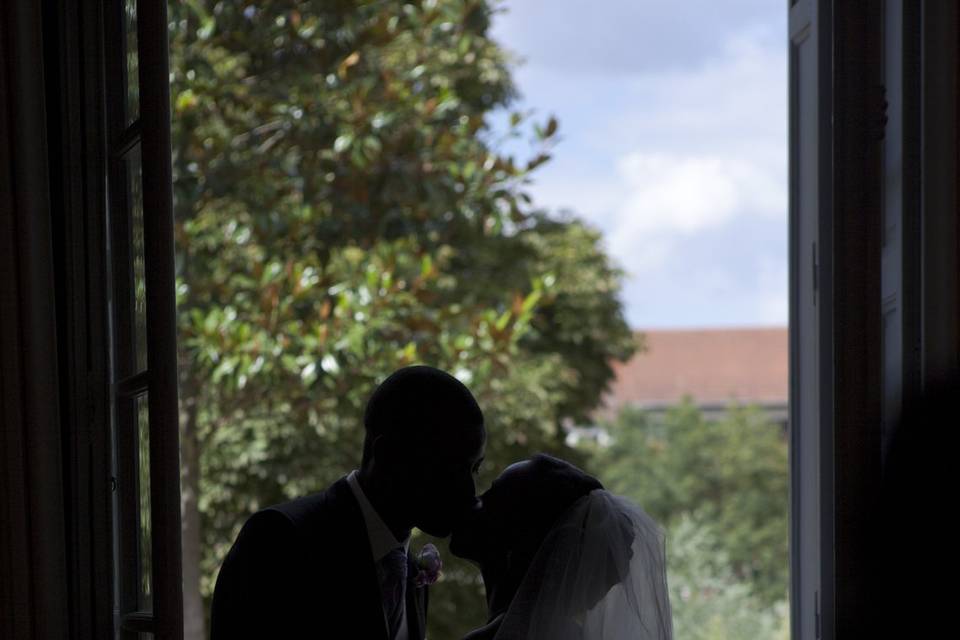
x=709, y=601
x=343, y=209
x=728, y=476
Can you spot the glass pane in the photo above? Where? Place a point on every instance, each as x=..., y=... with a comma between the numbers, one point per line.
x=134, y=175
x=133, y=80
x=144, y=538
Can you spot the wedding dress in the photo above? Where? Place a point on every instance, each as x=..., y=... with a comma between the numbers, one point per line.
x=600, y=574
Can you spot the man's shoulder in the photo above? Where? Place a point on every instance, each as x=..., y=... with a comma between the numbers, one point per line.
x=311, y=511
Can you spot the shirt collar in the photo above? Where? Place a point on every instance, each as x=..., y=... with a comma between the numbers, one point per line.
x=382, y=540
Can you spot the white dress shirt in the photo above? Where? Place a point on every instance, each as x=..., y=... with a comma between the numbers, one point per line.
x=382, y=542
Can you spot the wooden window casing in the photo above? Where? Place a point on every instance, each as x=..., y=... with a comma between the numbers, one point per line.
x=146, y=466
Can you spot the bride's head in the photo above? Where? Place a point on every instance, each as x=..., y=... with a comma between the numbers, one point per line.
x=514, y=516
x=562, y=558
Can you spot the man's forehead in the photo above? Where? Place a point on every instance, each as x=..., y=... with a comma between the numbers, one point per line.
x=453, y=451
x=460, y=437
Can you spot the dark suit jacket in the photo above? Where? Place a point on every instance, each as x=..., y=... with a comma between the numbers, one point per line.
x=304, y=569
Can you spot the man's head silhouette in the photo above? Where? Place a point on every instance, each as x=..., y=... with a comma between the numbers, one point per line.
x=424, y=442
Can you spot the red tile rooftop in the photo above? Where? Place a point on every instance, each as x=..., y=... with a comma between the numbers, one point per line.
x=713, y=366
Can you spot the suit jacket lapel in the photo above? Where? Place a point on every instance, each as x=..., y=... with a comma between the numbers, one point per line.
x=359, y=572
x=416, y=603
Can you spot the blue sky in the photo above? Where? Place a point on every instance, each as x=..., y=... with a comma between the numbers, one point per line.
x=673, y=142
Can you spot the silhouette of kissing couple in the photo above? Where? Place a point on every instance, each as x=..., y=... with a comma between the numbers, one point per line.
x=560, y=557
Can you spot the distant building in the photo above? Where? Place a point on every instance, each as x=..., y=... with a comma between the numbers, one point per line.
x=715, y=367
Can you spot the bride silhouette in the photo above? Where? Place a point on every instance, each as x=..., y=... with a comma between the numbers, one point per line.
x=563, y=559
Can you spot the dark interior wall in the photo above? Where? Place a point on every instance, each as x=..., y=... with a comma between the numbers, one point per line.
x=875, y=301
x=54, y=427
x=33, y=543
x=910, y=544
x=939, y=126
x=895, y=312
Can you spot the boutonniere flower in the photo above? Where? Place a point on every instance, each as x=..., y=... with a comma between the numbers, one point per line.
x=429, y=565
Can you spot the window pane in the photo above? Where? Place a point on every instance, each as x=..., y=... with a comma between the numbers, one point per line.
x=133, y=81
x=144, y=539
x=134, y=175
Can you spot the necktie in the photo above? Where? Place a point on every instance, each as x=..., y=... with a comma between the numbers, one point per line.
x=394, y=566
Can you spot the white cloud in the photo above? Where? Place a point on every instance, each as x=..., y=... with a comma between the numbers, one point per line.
x=691, y=193
x=683, y=165
x=707, y=148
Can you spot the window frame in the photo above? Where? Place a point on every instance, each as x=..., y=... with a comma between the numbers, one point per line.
x=835, y=454
x=148, y=134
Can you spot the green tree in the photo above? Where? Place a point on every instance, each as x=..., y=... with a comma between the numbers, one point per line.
x=729, y=476
x=342, y=209
x=709, y=601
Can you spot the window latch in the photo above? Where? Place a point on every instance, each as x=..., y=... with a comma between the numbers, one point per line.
x=816, y=613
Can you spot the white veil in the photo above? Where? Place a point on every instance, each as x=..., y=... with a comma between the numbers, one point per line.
x=600, y=574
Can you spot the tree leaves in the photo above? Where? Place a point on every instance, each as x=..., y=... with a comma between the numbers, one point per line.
x=739, y=489
x=341, y=212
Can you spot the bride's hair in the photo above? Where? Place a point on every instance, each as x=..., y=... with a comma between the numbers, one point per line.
x=564, y=559
x=541, y=496
x=549, y=487
x=563, y=487
x=599, y=573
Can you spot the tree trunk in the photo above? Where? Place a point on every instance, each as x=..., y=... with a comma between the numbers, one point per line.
x=193, y=610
